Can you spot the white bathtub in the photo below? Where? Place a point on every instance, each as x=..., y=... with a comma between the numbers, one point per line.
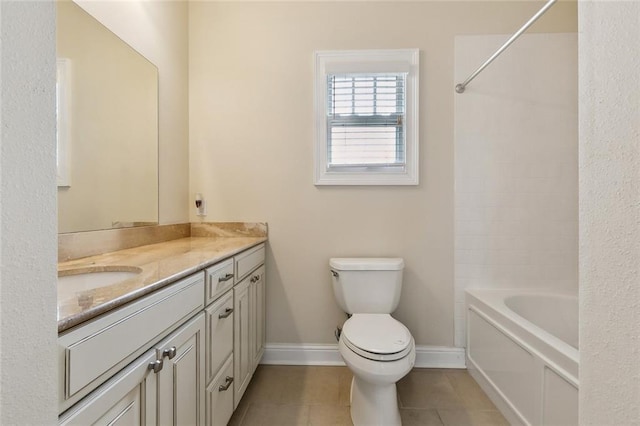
x=522, y=348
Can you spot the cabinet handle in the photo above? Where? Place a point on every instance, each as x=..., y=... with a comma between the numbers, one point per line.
x=255, y=278
x=227, y=312
x=171, y=352
x=226, y=385
x=227, y=277
x=156, y=365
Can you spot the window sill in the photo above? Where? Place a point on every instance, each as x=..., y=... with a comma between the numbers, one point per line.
x=381, y=178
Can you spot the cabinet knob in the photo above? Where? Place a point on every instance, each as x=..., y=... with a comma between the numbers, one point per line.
x=171, y=352
x=227, y=312
x=227, y=277
x=156, y=365
x=226, y=385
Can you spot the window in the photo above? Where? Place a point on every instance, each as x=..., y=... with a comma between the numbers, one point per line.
x=366, y=118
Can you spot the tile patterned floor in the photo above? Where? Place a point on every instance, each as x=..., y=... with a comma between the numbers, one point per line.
x=294, y=395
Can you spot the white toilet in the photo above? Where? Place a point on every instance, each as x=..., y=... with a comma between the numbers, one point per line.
x=378, y=349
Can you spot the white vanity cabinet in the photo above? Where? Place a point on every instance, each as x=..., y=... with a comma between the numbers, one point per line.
x=235, y=325
x=163, y=386
x=127, y=374
x=182, y=355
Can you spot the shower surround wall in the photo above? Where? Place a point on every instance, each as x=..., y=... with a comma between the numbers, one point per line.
x=516, y=166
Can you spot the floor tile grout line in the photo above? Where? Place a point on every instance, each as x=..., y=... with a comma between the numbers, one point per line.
x=440, y=417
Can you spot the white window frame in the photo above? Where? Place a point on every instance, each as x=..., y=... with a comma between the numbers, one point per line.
x=361, y=62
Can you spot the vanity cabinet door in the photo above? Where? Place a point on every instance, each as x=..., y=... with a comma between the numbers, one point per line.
x=241, y=340
x=128, y=398
x=181, y=382
x=257, y=321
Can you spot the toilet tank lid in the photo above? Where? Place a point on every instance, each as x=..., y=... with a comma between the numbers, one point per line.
x=366, y=263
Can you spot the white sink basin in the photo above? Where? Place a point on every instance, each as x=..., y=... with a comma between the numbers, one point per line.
x=73, y=282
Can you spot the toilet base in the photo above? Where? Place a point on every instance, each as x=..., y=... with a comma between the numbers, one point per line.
x=374, y=404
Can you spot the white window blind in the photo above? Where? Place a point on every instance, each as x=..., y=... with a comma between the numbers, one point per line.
x=366, y=120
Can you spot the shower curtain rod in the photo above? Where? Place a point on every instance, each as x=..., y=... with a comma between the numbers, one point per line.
x=460, y=87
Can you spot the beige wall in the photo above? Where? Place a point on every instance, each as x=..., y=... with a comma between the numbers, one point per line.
x=609, y=213
x=112, y=144
x=251, y=140
x=158, y=30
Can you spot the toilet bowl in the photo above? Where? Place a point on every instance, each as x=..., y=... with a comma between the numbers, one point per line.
x=379, y=351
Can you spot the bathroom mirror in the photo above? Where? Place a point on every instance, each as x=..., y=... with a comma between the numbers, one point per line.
x=107, y=127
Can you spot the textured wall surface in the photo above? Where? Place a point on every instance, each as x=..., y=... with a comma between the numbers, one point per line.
x=609, y=213
x=516, y=166
x=28, y=368
x=251, y=142
x=158, y=30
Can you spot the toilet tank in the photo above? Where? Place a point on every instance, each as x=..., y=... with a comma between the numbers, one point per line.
x=367, y=285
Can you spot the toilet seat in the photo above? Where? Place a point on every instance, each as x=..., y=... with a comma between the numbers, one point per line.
x=378, y=337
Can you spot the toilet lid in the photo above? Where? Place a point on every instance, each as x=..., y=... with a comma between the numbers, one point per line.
x=377, y=336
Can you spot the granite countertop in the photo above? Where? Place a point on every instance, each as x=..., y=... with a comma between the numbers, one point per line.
x=160, y=264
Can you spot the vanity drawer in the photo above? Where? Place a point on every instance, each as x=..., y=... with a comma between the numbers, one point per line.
x=220, y=396
x=219, y=279
x=90, y=354
x=219, y=333
x=248, y=261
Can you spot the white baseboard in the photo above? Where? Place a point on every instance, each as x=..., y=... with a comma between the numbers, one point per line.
x=300, y=354
x=440, y=357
